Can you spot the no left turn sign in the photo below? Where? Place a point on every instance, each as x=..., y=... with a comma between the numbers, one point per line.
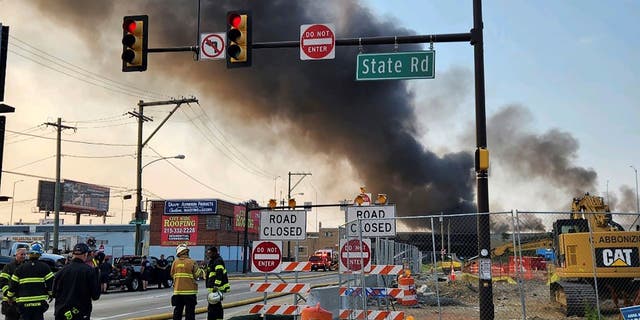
x=317, y=42
x=212, y=46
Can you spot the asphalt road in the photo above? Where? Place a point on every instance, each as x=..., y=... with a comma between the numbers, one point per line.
x=126, y=305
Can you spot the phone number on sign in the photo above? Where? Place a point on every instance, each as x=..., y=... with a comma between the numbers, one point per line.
x=179, y=230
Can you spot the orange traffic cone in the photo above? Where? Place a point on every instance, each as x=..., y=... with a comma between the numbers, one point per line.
x=452, y=276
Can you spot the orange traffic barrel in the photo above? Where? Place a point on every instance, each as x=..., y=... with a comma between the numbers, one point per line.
x=408, y=286
x=315, y=313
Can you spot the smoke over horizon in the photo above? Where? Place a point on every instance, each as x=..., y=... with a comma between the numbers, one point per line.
x=372, y=124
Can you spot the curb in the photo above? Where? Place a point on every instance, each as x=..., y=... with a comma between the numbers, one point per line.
x=169, y=315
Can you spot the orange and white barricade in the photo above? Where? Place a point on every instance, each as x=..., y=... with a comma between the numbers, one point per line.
x=357, y=291
x=408, y=285
x=371, y=314
x=284, y=309
x=383, y=269
x=279, y=287
x=296, y=266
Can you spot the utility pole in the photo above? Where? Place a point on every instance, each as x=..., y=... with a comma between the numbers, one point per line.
x=58, y=192
x=141, y=119
x=290, y=188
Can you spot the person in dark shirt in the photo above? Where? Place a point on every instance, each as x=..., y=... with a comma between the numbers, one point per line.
x=75, y=286
x=145, y=272
x=9, y=308
x=217, y=280
x=163, y=265
x=105, y=274
x=30, y=285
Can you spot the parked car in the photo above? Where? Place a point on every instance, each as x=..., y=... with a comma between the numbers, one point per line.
x=126, y=272
x=54, y=261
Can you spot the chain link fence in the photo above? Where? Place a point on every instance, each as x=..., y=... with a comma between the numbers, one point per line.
x=544, y=265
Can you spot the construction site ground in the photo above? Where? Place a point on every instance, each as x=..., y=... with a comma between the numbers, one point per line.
x=459, y=301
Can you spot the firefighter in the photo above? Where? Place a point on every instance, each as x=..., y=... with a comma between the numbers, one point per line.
x=31, y=285
x=217, y=280
x=75, y=286
x=9, y=308
x=184, y=272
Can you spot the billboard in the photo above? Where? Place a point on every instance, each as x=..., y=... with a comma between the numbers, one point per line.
x=77, y=197
x=194, y=206
x=46, y=193
x=84, y=198
x=179, y=229
x=238, y=220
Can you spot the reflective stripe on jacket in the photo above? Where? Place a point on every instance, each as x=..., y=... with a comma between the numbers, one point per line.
x=5, y=277
x=184, y=273
x=217, y=275
x=32, y=282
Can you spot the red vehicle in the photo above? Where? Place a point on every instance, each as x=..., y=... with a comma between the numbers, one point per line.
x=325, y=259
x=320, y=262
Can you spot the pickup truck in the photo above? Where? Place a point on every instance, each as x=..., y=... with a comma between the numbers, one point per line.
x=126, y=272
x=54, y=261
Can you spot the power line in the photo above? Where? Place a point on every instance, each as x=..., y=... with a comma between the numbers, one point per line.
x=75, y=77
x=75, y=141
x=33, y=162
x=105, y=119
x=86, y=73
x=22, y=174
x=100, y=157
x=107, y=126
x=230, y=154
x=195, y=179
x=224, y=139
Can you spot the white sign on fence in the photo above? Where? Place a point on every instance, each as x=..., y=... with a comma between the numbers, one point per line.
x=283, y=225
x=377, y=221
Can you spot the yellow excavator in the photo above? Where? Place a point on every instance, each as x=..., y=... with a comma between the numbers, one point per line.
x=595, y=259
x=527, y=245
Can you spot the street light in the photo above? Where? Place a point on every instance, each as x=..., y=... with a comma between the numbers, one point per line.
x=13, y=194
x=139, y=192
x=180, y=156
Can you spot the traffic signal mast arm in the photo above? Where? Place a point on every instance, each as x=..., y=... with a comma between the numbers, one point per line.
x=449, y=37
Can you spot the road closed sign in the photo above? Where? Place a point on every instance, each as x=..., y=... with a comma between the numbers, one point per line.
x=283, y=225
x=354, y=254
x=266, y=256
x=317, y=42
x=374, y=221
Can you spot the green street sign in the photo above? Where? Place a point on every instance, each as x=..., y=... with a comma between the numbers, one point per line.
x=396, y=65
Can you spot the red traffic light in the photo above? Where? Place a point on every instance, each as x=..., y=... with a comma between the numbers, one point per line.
x=234, y=20
x=129, y=26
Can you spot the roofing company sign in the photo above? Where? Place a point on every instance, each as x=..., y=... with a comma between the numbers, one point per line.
x=193, y=206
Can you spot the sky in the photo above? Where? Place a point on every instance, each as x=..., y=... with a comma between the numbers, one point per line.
x=560, y=85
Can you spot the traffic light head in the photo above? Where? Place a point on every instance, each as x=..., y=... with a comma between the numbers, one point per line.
x=238, y=39
x=134, y=43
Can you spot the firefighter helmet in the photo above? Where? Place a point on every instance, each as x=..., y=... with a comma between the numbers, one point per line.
x=214, y=297
x=181, y=248
x=36, y=248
